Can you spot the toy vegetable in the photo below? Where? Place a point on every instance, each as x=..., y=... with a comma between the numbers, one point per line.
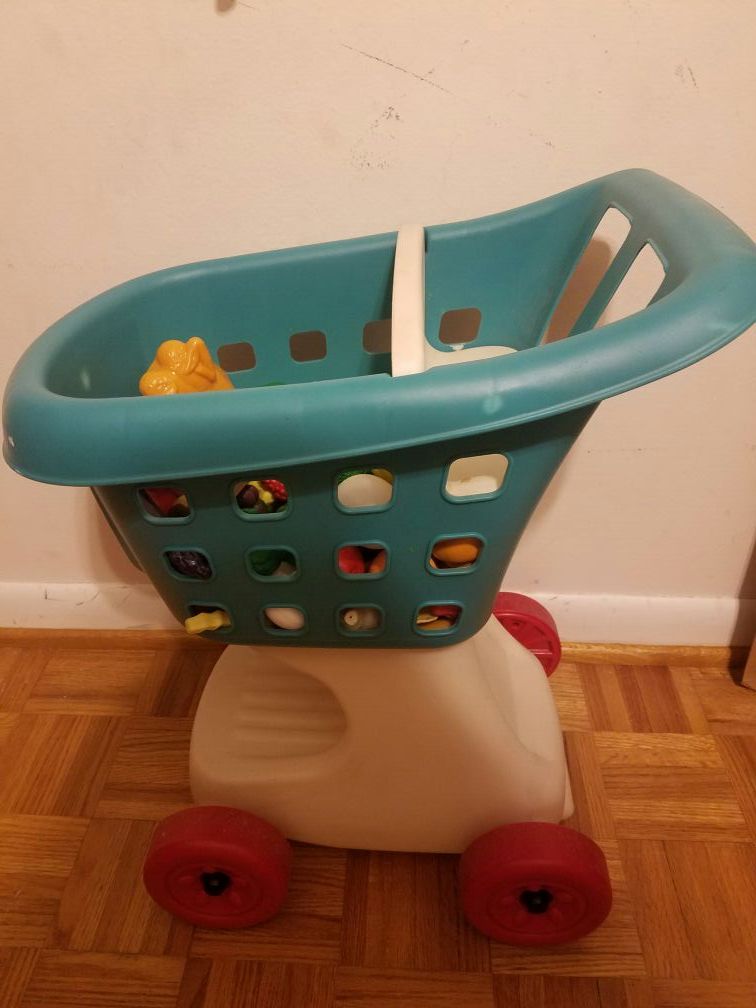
x=183, y=367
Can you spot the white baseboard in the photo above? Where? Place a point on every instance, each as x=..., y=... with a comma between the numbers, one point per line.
x=86, y=606
x=648, y=619
x=627, y=619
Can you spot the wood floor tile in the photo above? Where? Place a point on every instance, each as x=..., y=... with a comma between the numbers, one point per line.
x=357, y=988
x=248, y=984
x=193, y=988
x=105, y=907
x=89, y=682
x=308, y=929
x=629, y=698
x=570, y=992
x=16, y=968
x=702, y=994
x=175, y=681
x=730, y=708
x=674, y=786
x=690, y=701
x=605, y=701
x=37, y=854
x=738, y=754
x=7, y=723
x=614, y=949
x=569, y=695
x=694, y=903
x=59, y=764
x=592, y=813
x=402, y=912
x=101, y=980
x=149, y=775
x=19, y=670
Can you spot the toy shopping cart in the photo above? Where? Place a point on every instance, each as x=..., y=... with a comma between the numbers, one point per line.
x=397, y=403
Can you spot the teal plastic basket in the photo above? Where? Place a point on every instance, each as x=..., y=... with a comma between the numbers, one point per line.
x=73, y=415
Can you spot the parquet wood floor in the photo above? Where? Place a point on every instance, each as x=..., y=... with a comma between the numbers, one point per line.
x=94, y=734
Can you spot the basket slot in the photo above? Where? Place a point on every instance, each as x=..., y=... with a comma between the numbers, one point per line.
x=475, y=476
x=610, y=284
x=459, y=326
x=639, y=287
x=599, y=246
x=308, y=346
x=237, y=356
x=376, y=337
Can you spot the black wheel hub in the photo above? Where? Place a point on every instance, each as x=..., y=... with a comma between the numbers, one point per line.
x=215, y=883
x=536, y=901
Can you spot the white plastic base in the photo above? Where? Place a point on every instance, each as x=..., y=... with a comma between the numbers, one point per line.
x=418, y=750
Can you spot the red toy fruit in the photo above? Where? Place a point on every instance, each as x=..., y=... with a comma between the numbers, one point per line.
x=352, y=560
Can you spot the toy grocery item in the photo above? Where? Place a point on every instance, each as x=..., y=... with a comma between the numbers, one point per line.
x=183, y=367
x=190, y=563
x=267, y=496
x=368, y=697
x=165, y=502
x=285, y=617
x=204, y=622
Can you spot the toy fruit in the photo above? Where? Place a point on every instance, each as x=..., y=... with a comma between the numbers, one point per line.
x=378, y=563
x=437, y=624
x=457, y=552
x=262, y=496
x=277, y=489
x=351, y=560
x=285, y=617
x=364, y=490
x=166, y=502
x=183, y=367
x=266, y=562
x=190, y=563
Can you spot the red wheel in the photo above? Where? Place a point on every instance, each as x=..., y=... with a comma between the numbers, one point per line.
x=532, y=625
x=535, y=884
x=218, y=867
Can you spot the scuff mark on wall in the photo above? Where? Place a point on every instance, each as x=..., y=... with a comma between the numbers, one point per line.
x=395, y=66
x=684, y=73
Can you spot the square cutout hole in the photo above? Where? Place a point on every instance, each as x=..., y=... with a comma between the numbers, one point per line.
x=362, y=560
x=455, y=554
x=164, y=503
x=437, y=618
x=308, y=346
x=272, y=563
x=476, y=476
x=237, y=357
x=364, y=489
x=376, y=336
x=459, y=326
x=261, y=498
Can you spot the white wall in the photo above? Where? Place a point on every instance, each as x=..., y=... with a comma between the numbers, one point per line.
x=138, y=134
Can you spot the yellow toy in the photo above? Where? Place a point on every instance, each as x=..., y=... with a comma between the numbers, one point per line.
x=204, y=621
x=183, y=367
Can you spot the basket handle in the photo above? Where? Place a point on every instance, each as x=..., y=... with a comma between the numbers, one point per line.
x=411, y=353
